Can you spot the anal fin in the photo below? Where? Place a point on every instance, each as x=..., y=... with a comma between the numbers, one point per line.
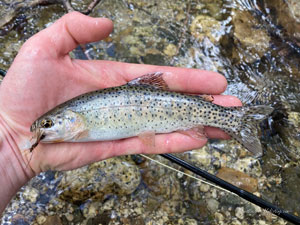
x=195, y=132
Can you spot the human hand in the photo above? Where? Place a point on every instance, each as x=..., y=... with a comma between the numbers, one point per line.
x=43, y=75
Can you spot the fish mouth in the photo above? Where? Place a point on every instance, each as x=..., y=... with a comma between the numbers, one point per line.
x=34, y=126
x=38, y=136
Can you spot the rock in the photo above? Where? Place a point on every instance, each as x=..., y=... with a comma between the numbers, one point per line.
x=117, y=175
x=156, y=59
x=108, y=204
x=50, y=220
x=19, y=220
x=31, y=194
x=103, y=218
x=206, y=27
x=69, y=217
x=255, y=41
x=262, y=222
x=41, y=219
x=290, y=133
x=235, y=222
x=199, y=157
x=230, y=200
x=170, y=50
x=248, y=165
x=238, y=179
x=239, y=212
x=250, y=209
x=153, y=174
x=204, y=187
x=212, y=204
x=287, y=15
x=219, y=217
x=187, y=221
x=91, y=209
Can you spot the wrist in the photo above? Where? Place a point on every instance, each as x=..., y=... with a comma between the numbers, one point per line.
x=13, y=171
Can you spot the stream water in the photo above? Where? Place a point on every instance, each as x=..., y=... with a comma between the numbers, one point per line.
x=254, y=44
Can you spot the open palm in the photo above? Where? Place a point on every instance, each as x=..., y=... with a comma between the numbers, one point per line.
x=43, y=76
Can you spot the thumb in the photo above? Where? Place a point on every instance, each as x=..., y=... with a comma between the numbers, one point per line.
x=69, y=31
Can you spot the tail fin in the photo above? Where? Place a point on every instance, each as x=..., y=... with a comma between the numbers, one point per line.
x=247, y=132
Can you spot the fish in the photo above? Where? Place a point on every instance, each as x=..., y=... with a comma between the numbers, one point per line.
x=144, y=107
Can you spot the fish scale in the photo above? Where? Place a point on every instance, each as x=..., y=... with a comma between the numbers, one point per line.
x=145, y=105
x=129, y=110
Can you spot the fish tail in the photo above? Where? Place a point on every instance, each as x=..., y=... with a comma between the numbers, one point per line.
x=247, y=131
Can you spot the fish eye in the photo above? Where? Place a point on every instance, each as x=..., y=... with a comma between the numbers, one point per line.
x=46, y=123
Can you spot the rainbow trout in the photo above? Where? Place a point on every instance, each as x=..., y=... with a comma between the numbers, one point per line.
x=144, y=105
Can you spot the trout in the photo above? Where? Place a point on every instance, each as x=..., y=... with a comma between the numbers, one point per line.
x=143, y=106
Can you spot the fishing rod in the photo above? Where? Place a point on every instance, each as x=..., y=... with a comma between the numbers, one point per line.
x=238, y=191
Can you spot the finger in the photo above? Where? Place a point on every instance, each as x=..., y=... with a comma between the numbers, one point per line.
x=227, y=100
x=111, y=73
x=79, y=154
x=71, y=30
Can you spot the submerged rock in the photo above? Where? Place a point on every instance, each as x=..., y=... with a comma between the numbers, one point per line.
x=290, y=134
x=50, y=220
x=238, y=179
x=288, y=16
x=254, y=40
x=206, y=27
x=212, y=204
x=117, y=175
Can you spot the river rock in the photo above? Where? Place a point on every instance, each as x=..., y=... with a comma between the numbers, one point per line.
x=117, y=175
x=290, y=134
x=255, y=40
x=288, y=16
x=238, y=179
x=239, y=212
x=206, y=27
x=50, y=220
x=212, y=204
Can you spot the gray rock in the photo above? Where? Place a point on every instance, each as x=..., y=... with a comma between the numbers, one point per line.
x=212, y=204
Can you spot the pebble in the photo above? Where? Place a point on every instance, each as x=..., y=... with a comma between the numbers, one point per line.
x=69, y=217
x=206, y=27
x=212, y=204
x=219, y=216
x=170, y=50
x=248, y=165
x=41, y=219
x=239, y=212
x=201, y=156
x=262, y=222
x=236, y=222
x=204, y=187
x=51, y=220
x=31, y=194
x=109, y=204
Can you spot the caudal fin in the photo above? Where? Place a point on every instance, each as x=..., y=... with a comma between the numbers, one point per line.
x=247, y=132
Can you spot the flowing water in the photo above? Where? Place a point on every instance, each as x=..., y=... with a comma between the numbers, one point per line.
x=255, y=44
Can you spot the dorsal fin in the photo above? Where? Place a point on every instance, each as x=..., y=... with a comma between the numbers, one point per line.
x=152, y=79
